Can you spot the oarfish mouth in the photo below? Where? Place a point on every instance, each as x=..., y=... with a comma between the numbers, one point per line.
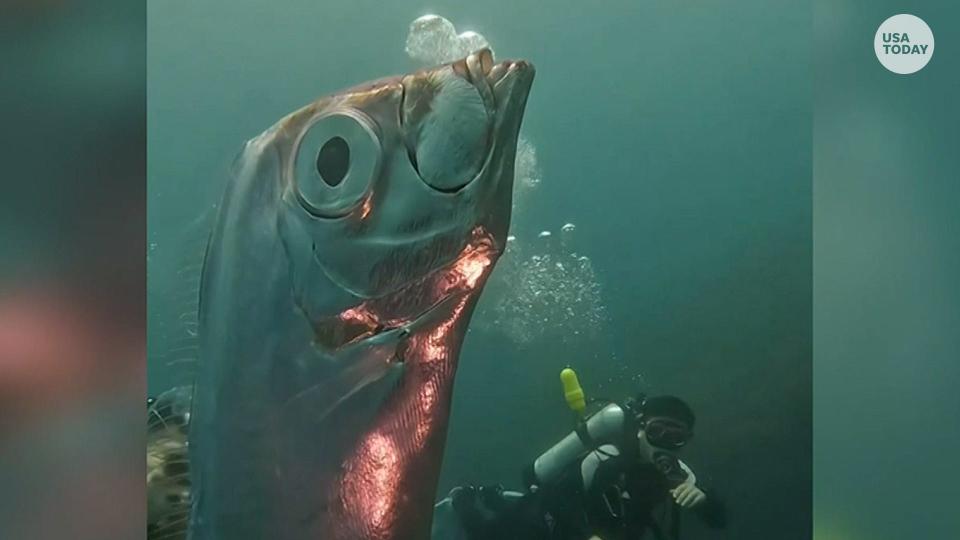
x=414, y=301
x=480, y=69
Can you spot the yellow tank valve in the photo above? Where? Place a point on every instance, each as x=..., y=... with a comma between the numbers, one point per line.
x=572, y=391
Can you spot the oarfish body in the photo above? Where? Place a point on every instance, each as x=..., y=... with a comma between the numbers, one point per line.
x=349, y=251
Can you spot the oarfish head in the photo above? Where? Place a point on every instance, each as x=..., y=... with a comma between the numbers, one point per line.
x=390, y=181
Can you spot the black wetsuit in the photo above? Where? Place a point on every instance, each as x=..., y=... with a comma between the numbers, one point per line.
x=626, y=500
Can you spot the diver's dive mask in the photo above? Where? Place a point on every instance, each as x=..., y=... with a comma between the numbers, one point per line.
x=661, y=431
x=666, y=433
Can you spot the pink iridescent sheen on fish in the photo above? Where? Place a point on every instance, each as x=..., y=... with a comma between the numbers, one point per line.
x=349, y=252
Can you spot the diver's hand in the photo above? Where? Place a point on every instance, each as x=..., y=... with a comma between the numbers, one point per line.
x=688, y=495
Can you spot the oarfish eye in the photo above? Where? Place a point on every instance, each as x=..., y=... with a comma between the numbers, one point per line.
x=333, y=161
x=337, y=159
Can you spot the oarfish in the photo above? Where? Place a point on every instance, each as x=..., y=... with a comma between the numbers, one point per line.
x=350, y=247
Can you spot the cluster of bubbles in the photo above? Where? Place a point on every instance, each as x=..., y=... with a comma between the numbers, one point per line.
x=434, y=40
x=542, y=288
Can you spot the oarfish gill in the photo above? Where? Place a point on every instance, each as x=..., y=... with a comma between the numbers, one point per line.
x=349, y=251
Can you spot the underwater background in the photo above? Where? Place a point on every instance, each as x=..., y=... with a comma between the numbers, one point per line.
x=667, y=152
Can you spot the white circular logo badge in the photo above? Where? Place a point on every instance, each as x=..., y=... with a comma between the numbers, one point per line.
x=904, y=44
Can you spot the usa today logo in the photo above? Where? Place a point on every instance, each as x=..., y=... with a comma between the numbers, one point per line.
x=904, y=44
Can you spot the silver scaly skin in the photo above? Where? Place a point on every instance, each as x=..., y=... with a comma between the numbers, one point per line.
x=349, y=252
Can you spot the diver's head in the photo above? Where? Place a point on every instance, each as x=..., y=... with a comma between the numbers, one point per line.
x=665, y=427
x=666, y=422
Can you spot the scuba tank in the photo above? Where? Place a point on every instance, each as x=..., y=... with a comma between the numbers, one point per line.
x=613, y=424
x=603, y=427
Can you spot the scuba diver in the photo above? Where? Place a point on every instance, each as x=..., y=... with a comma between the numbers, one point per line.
x=617, y=476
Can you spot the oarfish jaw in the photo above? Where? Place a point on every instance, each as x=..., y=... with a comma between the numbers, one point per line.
x=387, y=486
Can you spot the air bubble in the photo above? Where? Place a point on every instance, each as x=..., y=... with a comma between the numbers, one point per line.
x=526, y=174
x=471, y=41
x=433, y=40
